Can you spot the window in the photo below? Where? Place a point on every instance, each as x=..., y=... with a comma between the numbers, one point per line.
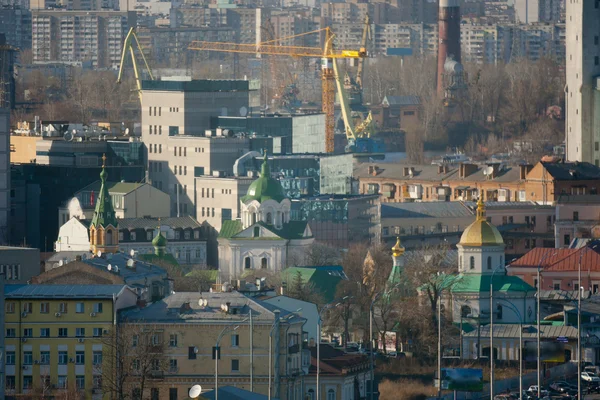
x=44, y=332
x=154, y=394
x=62, y=307
x=11, y=332
x=173, y=365
x=596, y=60
x=575, y=215
x=27, y=382
x=136, y=394
x=331, y=394
x=44, y=308
x=472, y=262
x=62, y=382
x=27, y=332
x=173, y=394
x=79, y=332
x=97, y=381
x=247, y=263
x=10, y=308
x=156, y=339
x=489, y=262
x=235, y=365
x=80, y=357
x=264, y=263
x=567, y=240
x=408, y=113
x=63, y=358
x=97, y=358
x=97, y=332
x=134, y=340
x=27, y=307
x=10, y=383
x=27, y=358
x=235, y=340
x=186, y=235
x=499, y=311
x=269, y=219
x=191, y=353
x=226, y=214
x=173, y=340
x=556, y=285
x=98, y=308
x=256, y=231
x=45, y=358
x=80, y=382
x=135, y=364
x=173, y=130
x=63, y=332
x=149, y=235
x=10, y=358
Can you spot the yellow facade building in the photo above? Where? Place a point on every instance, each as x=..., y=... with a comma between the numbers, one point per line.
x=186, y=327
x=54, y=336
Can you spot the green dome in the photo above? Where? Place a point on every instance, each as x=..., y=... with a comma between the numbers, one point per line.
x=159, y=240
x=265, y=187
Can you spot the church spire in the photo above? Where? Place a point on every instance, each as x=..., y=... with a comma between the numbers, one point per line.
x=265, y=171
x=398, y=263
x=480, y=209
x=103, y=228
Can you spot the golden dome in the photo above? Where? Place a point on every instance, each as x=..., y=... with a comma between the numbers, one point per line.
x=481, y=232
x=397, y=250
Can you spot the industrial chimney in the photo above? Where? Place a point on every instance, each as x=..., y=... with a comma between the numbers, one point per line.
x=449, y=38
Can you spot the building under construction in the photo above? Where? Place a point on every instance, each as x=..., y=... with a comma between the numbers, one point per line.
x=7, y=74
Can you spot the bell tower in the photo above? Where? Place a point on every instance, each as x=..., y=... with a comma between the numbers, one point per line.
x=104, y=232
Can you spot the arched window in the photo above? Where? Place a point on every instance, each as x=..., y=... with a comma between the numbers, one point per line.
x=247, y=262
x=256, y=231
x=269, y=219
x=311, y=394
x=465, y=311
x=472, y=262
x=331, y=394
x=489, y=262
x=499, y=311
x=264, y=263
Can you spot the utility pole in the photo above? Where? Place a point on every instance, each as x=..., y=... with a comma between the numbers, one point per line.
x=439, y=310
x=2, y=315
x=252, y=353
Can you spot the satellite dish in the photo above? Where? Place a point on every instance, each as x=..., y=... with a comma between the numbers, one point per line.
x=195, y=391
x=243, y=111
x=60, y=263
x=205, y=302
x=126, y=131
x=132, y=253
x=116, y=269
x=68, y=136
x=196, y=350
x=99, y=253
x=109, y=267
x=130, y=263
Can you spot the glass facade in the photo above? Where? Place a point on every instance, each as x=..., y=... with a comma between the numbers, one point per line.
x=127, y=153
x=336, y=175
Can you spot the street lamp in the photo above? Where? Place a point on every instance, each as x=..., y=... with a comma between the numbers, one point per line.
x=326, y=307
x=539, y=353
x=514, y=309
x=579, y=293
x=375, y=298
x=277, y=319
x=229, y=328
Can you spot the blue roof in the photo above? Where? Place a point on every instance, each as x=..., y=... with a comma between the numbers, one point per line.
x=233, y=393
x=62, y=291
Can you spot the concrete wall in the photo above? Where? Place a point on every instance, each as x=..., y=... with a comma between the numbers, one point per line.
x=26, y=260
x=24, y=148
x=308, y=134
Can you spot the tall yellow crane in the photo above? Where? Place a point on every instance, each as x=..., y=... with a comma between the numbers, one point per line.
x=327, y=55
x=128, y=43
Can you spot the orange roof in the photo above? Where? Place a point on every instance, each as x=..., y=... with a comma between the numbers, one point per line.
x=559, y=259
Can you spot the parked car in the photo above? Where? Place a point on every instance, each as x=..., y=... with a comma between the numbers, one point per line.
x=560, y=387
x=592, y=368
x=396, y=354
x=589, y=377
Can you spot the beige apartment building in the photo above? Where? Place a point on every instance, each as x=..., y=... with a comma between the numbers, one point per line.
x=219, y=197
x=180, y=147
x=187, y=331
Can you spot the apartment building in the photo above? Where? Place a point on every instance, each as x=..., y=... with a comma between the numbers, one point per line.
x=485, y=44
x=539, y=40
x=544, y=183
x=55, y=336
x=352, y=13
x=80, y=36
x=247, y=23
x=15, y=24
x=188, y=357
x=576, y=219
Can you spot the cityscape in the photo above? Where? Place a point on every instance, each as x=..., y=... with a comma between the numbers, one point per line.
x=299, y=200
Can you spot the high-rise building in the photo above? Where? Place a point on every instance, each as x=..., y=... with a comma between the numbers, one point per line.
x=582, y=89
x=80, y=36
x=15, y=24
x=4, y=175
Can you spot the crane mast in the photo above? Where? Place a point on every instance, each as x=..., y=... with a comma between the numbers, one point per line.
x=128, y=43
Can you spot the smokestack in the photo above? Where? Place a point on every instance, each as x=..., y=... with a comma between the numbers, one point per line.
x=449, y=38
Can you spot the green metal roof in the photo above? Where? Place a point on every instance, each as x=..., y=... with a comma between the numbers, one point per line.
x=159, y=240
x=290, y=231
x=264, y=188
x=322, y=281
x=104, y=213
x=470, y=283
x=230, y=228
x=153, y=258
x=210, y=274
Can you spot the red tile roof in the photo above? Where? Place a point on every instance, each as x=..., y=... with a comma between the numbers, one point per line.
x=560, y=259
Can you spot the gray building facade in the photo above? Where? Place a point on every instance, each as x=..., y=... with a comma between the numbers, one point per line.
x=4, y=175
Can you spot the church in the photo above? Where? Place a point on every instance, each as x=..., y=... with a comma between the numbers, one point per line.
x=265, y=237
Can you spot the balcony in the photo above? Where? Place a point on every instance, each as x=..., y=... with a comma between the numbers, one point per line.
x=293, y=349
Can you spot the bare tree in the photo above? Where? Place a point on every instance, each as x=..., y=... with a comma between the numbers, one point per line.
x=135, y=356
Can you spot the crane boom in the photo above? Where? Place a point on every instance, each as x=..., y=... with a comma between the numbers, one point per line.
x=128, y=48
x=361, y=62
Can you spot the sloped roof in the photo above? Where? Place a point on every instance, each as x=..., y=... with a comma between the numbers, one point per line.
x=151, y=223
x=402, y=100
x=472, y=283
x=104, y=212
x=324, y=280
x=63, y=291
x=560, y=259
x=529, y=331
x=113, y=187
x=572, y=171
x=435, y=209
x=334, y=361
x=230, y=228
x=290, y=231
x=396, y=171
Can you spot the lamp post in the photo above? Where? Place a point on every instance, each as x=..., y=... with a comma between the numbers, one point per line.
x=514, y=309
x=228, y=328
x=538, y=317
x=276, y=322
x=579, y=294
x=318, y=339
x=498, y=268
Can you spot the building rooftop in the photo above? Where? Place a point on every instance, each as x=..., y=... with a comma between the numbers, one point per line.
x=63, y=291
x=560, y=259
x=572, y=171
x=335, y=362
x=436, y=209
x=113, y=187
x=401, y=100
x=186, y=222
x=233, y=393
x=198, y=85
x=396, y=171
x=529, y=331
x=184, y=307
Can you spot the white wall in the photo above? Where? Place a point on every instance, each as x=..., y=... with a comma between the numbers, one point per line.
x=309, y=312
x=72, y=236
